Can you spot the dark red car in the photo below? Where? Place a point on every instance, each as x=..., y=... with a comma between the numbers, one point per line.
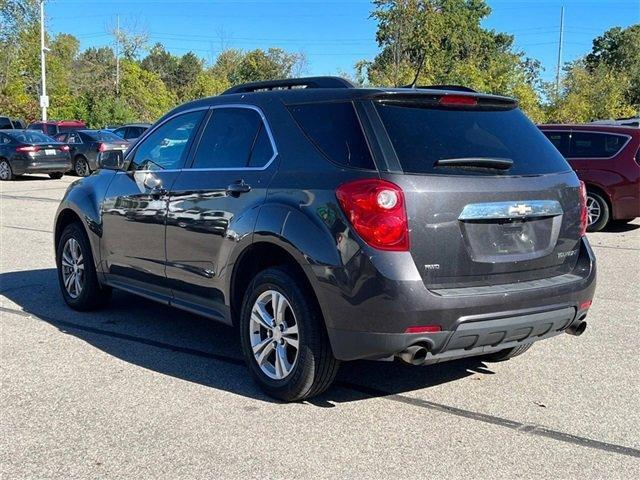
x=54, y=127
x=607, y=160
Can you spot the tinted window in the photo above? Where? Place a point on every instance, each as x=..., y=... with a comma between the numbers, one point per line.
x=5, y=123
x=560, y=140
x=30, y=136
x=61, y=137
x=334, y=128
x=52, y=129
x=595, y=145
x=228, y=138
x=103, y=136
x=262, y=150
x=120, y=132
x=135, y=132
x=73, y=138
x=166, y=147
x=35, y=126
x=422, y=136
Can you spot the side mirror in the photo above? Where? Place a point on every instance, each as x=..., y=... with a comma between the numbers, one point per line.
x=111, y=159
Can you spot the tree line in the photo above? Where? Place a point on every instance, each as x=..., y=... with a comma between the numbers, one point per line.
x=421, y=42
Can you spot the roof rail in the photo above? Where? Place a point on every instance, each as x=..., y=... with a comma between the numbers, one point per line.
x=456, y=88
x=290, y=83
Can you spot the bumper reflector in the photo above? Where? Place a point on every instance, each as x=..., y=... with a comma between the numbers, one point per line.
x=424, y=329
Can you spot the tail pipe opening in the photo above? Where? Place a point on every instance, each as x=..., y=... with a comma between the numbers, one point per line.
x=414, y=355
x=577, y=328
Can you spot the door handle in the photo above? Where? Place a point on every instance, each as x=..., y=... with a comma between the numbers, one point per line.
x=238, y=188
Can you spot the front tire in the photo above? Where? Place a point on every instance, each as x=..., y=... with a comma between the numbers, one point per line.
x=5, y=171
x=598, y=212
x=283, y=337
x=77, y=273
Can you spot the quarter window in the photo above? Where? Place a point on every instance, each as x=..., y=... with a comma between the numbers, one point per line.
x=233, y=138
x=560, y=140
x=334, y=128
x=595, y=145
x=166, y=147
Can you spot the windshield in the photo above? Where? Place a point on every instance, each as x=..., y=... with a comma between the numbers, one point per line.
x=104, y=136
x=424, y=138
x=31, y=136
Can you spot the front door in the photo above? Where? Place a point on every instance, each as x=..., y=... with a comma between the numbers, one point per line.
x=213, y=205
x=135, y=207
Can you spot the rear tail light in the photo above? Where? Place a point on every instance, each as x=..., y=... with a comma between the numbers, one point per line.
x=377, y=212
x=452, y=100
x=64, y=148
x=102, y=147
x=27, y=149
x=584, y=216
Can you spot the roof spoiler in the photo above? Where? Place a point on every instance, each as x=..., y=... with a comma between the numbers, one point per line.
x=291, y=83
x=455, y=88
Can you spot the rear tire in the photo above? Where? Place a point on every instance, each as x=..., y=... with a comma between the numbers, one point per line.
x=56, y=176
x=313, y=368
x=507, y=353
x=77, y=275
x=81, y=167
x=598, y=211
x=5, y=170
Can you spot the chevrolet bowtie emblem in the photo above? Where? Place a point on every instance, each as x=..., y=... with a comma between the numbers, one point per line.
x=520, y=209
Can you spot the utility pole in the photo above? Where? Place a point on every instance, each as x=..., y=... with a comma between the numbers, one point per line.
x=117, y=54
x=560, y=50
x=44, y=99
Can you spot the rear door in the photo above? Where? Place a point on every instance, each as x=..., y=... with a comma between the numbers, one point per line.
x=471, y=220
x=213, y=205
x=135, y=207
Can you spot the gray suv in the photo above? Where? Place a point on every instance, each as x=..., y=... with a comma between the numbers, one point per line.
x=333, y=223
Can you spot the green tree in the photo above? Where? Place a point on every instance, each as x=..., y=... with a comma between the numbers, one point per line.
x=442, y=42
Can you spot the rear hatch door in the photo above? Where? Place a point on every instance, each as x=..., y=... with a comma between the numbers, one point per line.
x=488, y=197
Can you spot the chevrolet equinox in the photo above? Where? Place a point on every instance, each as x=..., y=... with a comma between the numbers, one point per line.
x=331, y=223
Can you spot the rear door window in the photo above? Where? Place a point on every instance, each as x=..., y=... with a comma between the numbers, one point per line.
x=228, y=140
x=52, y=130
x=595, y=145
x=335, y=130
x=421, y=136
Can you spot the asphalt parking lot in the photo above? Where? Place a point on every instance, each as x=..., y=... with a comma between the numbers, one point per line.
x=143, y=391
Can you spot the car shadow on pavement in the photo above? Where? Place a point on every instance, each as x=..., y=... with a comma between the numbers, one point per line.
x=172, y=342
x=619, y=227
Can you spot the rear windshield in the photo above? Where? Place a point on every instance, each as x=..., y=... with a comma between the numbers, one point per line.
x=104, y=136
x=31, y=136
x=423, y=136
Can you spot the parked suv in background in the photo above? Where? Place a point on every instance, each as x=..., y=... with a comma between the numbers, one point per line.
x=335, y=223
x=607, y=160
x=132, y=132
x=53, y=128
x=85, y=145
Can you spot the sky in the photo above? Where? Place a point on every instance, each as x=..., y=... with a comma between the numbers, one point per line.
x=333, y=34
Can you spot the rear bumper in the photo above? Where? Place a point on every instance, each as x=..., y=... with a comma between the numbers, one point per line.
x=46, y=167
x=473, y=320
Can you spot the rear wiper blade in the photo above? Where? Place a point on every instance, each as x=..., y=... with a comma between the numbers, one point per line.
x=478, y=162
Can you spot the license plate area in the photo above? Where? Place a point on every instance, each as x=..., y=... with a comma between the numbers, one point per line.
x=50, y=151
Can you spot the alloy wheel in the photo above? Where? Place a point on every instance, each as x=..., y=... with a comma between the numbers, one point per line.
x=593, y=210
x=72, y=264
x=5, y=170
x=273, y=331
x=82, y=169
